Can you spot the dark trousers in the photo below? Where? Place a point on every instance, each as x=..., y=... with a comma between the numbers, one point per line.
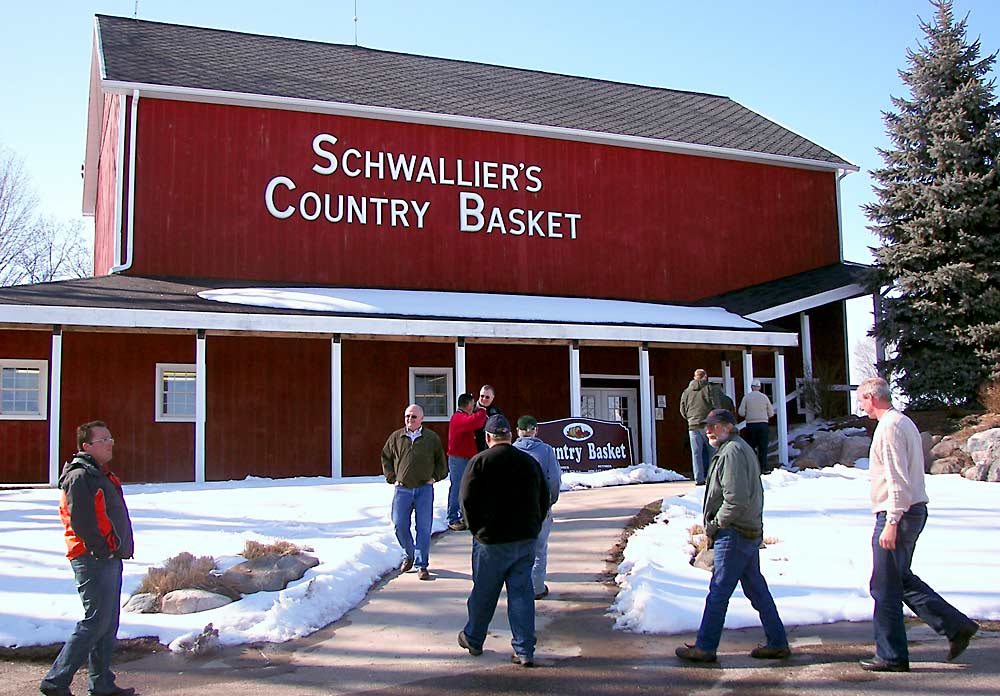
x=99, y=583
x=758, y=435
x=893, y=584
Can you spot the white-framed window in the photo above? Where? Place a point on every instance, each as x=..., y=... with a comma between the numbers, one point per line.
x=175, y=392
x=431, y=388
x=24, y=388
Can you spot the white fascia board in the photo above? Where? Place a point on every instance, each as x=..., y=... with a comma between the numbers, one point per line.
x=293, y=323
x=468, y=122
x=847, y=292
x=95, y=128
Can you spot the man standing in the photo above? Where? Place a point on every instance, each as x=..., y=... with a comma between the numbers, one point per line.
x=899, y=501
x=412, y=460
x=461, y=447
x=696, y=402
x=757, y=410
x=527, y=441
x=734, y=525
x=504, y=501
x=98, y=536
x=486, y=397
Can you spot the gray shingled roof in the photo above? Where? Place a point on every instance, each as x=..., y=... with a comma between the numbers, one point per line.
x=153, y=53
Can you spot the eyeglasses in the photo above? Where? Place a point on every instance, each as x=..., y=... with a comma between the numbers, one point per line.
x=410, y=416
x=103, y=439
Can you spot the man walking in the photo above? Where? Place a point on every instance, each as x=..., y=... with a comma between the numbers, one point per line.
x=98, y=534
x=412, y=460
x=461, y=448
x=696, y=402
x=899, y=501
x=527, y=441
x=734, y=525
x=487, y=397
x=757, y=410
x=504, y=501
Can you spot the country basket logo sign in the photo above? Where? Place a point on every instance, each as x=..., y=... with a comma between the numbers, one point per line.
x=578, y=432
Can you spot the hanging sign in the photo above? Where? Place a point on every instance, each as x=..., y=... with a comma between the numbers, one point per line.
x=588, y=444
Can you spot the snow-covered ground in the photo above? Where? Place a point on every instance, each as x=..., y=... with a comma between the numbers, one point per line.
x=818, y=557
x=345, y=522
x=818, y=568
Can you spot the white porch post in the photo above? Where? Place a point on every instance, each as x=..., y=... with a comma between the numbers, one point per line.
x=727, y=378
x=336, y=412
x=781, y=406
x=646, y=408
x=55, y=404
x=574, y=380
x=200, y=403
x=459, y=369
x=807, y=363
x=747, y=370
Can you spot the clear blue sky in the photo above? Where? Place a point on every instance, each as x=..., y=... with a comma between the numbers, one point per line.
x=824, y=69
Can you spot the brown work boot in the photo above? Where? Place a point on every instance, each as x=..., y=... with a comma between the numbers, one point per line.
x=692, y=653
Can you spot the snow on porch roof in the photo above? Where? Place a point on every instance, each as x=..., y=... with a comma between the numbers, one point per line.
x=483, y=306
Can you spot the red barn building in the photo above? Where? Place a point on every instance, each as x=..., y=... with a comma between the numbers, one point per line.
x=294, y=240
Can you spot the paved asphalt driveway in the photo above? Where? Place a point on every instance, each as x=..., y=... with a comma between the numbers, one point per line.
x=401, y=639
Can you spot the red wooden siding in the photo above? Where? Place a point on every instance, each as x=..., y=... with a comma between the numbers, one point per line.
x=268, y=411
x=112, y=377
x=527, y=379
x=25, y=443
x=654, y=226
x=107, y=170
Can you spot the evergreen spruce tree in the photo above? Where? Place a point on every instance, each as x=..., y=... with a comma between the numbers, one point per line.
x=938, y=217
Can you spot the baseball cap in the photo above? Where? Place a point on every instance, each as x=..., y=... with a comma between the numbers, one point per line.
x=526, y=422
x=720, y=415
x=755, y=383
x=497, y=425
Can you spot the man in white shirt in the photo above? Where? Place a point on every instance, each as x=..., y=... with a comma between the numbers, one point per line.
x=899, y=501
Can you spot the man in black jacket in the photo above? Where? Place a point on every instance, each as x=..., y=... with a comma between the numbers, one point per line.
x=504, y=502
x=98, y=536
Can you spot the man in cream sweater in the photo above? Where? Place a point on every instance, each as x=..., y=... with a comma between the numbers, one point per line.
x=899, y=501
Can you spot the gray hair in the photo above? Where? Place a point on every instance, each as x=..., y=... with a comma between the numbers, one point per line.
x=877, y=388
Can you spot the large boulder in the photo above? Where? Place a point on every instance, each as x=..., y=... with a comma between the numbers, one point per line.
x=854, y=448
x=142, y=603
x=977, y=472
x=994, y=474
x=947, y=447
x=824, y=450
x=950, y=465
x=928, y=441
x=984, y=447
x=268, y=573
x=191, y=601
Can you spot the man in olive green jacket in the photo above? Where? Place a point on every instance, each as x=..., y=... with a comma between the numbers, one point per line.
x=733, y=516
x=412, y=460
x=695, y=403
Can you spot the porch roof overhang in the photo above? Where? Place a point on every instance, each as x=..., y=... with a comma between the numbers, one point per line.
x=170, y=304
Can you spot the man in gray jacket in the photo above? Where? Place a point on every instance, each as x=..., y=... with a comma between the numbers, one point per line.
x=696, y=401
x=734, y=525
x=527, y=441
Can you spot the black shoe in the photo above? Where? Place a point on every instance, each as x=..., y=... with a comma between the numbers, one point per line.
x=544, y=593
x=118, y=691
x=767, y=652
x=464, y=642
x=699, y=483
x=877, y=664
x=960, y=641
x=405, y=565
x=53, y=690
x=459, y=526
x=422, y=574
x=523, y=660
x=692, y=653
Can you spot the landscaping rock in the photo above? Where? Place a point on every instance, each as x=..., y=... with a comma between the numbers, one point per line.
x=977, y=472
x=268, y=573
x=950, y=465
x=191, y=601
x=945, y=448
x=984, y=447
x=142, y=603
x=824, y=450
x=854, y=448
x=928, y=442
x=994, y=475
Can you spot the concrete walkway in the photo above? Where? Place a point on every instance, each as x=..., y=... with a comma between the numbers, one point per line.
x=401, y=639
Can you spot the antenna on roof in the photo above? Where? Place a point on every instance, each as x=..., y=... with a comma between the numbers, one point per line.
x=355, y=22
x=135, y=10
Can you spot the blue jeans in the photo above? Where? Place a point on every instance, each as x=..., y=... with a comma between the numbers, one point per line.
x=541, y=555
x=493, y=566
x=893, y=584
x=701, y=454
x=99, y=583
x=737, y=559
x=456, y=467
x=406, y=502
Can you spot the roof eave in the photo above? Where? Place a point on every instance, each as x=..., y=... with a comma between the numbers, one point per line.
x=212, y=96
x=95, y=120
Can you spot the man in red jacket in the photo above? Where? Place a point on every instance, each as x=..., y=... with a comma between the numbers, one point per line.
x=461, y=447
x=98, y=535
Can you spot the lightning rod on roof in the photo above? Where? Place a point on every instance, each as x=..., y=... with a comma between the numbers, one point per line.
x=355, y=22
x=135, y=10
